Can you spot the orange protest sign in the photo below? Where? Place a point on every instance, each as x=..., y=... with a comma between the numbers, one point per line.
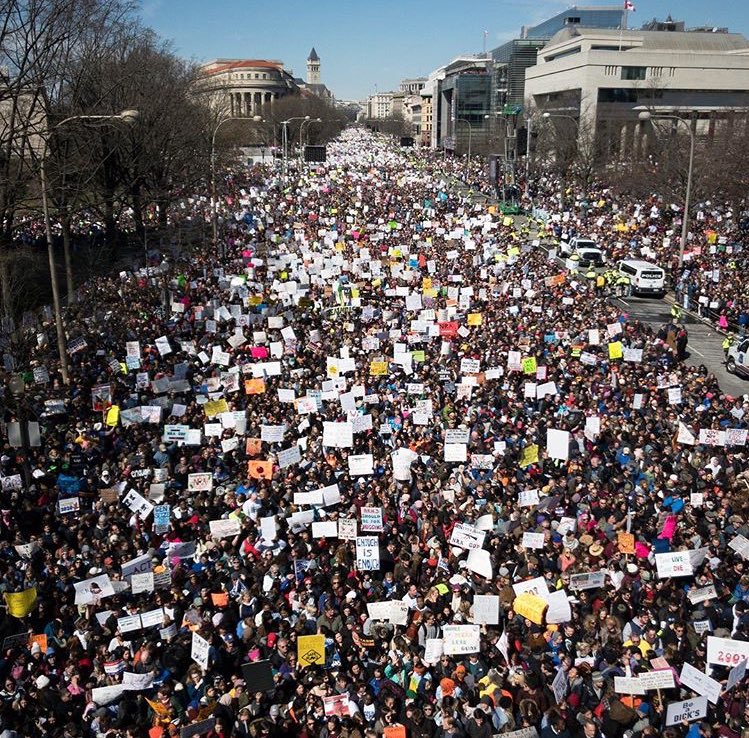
x=475, y=319
x=252, y=446
x=626, y=543
x=220, y=599
x=41, y=639
x=395, y=731
x=254, y=386
x=260, y=469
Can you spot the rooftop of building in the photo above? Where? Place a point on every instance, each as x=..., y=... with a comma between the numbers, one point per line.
x=225, y=65
x=687, y=41
x=313, y=57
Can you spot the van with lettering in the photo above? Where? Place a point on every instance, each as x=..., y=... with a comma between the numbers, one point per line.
x=644, y=278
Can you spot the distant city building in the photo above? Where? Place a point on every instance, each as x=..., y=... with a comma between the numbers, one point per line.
x=412, y=86
x=426, y=117
x=245, y=87
x=312, y=85
x=605, y=77
x=380, y=105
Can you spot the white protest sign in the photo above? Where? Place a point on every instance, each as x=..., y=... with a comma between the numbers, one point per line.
x=673, y=564
x=486, y=609
x=659, y=679
x=347, y=529
x=536, y=586
x=371, y=520
x=142, y=582
x=628, y=685
x=200, y=482
x=199, y=650
x=726, y=651
x=465, y=536
x=588, y=580
x=136, y=682
x=700, y=682
x=559, y=607
x=361, y=465
x=558, y=444
x=433, y=650
x=703, y=593
x=461, y=639
x=225, y=528
x=533, y=540
x=528, y=498
x=367, y=553
x=687, y=711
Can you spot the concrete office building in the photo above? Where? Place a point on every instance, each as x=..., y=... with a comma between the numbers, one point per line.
x=604, y=76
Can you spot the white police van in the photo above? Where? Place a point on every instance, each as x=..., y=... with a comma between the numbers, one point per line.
x=645, y=278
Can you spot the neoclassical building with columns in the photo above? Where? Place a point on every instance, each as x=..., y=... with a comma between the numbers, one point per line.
x=246, y=87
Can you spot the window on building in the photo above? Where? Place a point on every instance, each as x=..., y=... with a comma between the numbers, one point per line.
x=572, y=20
x=633, y=72
x=656, y=71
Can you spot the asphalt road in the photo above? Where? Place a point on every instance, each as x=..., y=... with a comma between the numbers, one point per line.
x=705, y=344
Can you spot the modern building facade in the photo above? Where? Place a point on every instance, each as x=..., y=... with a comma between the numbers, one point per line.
x=461, y=104
x=506, y=66
x=245, y=87
x=604, y=78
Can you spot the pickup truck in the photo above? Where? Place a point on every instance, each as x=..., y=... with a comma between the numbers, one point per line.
x=737, y=361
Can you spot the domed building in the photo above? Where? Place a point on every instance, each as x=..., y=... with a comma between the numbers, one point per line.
x=245, y=87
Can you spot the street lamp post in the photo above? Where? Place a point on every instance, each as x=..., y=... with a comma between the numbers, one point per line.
x=285, y=139
x=301, y=129
x=645, y=115
x=214, y=202
x=126, y=116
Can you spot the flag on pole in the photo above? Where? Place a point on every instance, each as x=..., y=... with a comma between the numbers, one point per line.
x=629, y=6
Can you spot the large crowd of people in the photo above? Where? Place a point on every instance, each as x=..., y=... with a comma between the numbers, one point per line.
x=376, y=467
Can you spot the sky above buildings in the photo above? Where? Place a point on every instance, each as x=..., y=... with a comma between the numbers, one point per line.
x=369, y=45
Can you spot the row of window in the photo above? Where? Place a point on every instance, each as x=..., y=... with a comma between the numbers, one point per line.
x=258, y=75
x=637, y=73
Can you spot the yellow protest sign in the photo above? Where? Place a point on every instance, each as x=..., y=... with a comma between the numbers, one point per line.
x=310, y=650
x=530, y=455
x=530, y=606
x=529, y=365
x=426, y=283
x=418, y=356
x=113, y=416
x=158, y=708
x=514, y=251
x=340, y=246
x=255, y=299
x=616, y=350
x=507, y=221
x=20, y=604
x=378, y=368
x=492, y=210
x=431, y=292
x=475, y=319
x=215, y=407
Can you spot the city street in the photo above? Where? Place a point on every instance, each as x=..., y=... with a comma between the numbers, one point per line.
x=704, y=343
